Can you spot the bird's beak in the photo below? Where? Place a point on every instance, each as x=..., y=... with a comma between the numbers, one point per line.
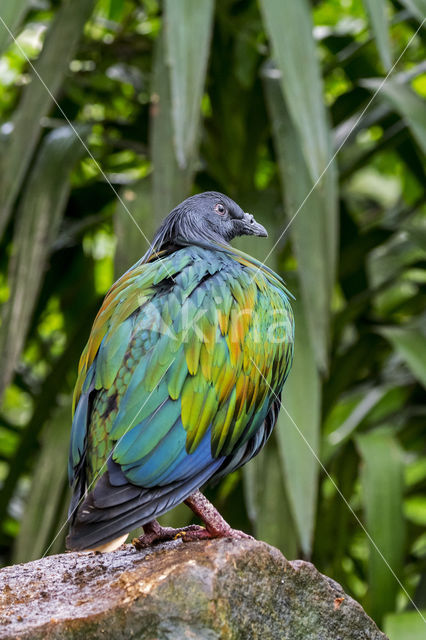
x=253, y=228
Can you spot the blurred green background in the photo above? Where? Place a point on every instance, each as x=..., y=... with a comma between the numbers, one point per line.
x=164, y=99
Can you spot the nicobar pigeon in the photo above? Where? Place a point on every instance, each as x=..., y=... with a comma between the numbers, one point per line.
x=180, y=381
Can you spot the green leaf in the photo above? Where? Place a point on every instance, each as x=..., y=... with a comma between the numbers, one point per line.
x=37, y=221
x=298, y=432
x=59, y=47
x=289, y=25
x=134, y=224
x=114, y=9
x=313, y=226
x=376, y=10
x=267, y=501
x=80, y=314
x=411, y=346
x=406, y=102
x=11, y=15
x=188, y=25
x=46, y=497
x=405, y=625
x=335, y=526
x=357, y=415
x=170, y=182
x=148, y=201
x=382, y=496
x=417, y=8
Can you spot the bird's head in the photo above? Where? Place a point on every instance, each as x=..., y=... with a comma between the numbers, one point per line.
x=209, y=217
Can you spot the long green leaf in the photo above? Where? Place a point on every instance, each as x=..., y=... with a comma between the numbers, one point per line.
x=46, y=497
x=188, y=32
x=37, y=221
x=170, y=182
x=408, y=104
x=411, y=346
x=313, y=226
x=357, y=415
x=11, y=15
x=298, y=432
x=382, y=490
x=376, y=10
x=60, y=45
x=134, y=224
x=267, y=501
x=149, y=200
x=417, y=8
x=405, y=625
x=80, y=311
x=289, y=25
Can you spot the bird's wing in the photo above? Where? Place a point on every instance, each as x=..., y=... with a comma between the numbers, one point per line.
x=103, y=355
x=178, y=374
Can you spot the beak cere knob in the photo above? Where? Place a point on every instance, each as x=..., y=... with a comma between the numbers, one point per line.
x=253, y=228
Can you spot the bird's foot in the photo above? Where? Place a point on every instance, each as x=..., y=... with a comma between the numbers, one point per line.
x=157, y=534
x=216, y=526
x=154, y=533
x=201, y=533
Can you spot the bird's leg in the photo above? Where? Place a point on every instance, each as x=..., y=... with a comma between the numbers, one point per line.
x=216, y=526
x=154, y=533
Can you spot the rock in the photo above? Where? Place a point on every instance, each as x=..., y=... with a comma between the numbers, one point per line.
x=227, y=589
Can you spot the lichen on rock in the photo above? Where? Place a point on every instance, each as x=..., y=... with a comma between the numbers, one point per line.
x=218, y=589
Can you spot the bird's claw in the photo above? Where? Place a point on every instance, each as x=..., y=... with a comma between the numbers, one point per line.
x=186, y=534
x=166, y=534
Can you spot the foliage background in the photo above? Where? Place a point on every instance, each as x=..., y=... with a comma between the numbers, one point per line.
x=250, y=98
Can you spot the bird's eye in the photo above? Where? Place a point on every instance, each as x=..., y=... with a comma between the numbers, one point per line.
x=220, y=209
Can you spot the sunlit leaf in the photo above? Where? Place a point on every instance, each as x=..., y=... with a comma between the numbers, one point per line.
x=115, y=9
x=59, y=47
x=382, y=494
x=188, y=25
x=37, y=220
x=298, y=432
x=376, y=10
x=408, y=104
x=411, y=346
x=11, y=14
x=405, y=625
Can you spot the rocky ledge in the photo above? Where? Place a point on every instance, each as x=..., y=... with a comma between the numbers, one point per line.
x=227, y=589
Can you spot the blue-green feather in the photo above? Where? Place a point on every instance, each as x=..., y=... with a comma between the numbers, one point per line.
x=151, y=355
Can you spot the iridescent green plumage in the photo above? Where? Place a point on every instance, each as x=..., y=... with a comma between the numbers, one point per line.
x=179, y=381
